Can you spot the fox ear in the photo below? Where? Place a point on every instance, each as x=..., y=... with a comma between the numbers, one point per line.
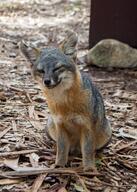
x=30, y=51
x=68, y=46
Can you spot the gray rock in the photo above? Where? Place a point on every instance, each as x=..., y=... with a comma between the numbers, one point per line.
x=111, y=53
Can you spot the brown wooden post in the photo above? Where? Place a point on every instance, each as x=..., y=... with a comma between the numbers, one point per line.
x=113, y=19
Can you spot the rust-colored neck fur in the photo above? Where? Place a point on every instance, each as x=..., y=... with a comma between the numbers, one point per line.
x=72, y=100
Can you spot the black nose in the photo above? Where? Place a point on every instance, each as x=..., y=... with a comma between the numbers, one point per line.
x=47, y=82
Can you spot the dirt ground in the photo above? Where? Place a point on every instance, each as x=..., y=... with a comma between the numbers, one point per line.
x=25, y=151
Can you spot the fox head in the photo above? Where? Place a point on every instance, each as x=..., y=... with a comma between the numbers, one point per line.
x=53, y=67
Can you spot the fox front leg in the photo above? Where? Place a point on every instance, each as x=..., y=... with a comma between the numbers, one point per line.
x=63, y=146
x=88, y=149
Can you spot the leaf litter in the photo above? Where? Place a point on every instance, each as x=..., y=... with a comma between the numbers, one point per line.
x=27, y=155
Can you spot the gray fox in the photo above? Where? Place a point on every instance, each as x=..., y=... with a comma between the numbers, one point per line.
x=77, y=122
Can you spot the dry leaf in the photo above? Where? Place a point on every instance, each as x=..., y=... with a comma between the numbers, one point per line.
x=2, y=133
x=12, y=163
x=62, y=189
x=2, y=97
x=79, y=188
x=38, y=182
x=128, y=133
x=9, y=181
x=33, y=115
x=110, y=189
x=133, y=189
x=34, y=159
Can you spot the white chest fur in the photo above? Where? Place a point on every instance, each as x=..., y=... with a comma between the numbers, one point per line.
x=70, y=121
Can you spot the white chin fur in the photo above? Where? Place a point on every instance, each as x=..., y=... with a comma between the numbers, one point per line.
x=58, y=93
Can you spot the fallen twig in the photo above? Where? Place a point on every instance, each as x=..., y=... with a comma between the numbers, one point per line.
x=2, y=133
x=22, y=172
x=38, y=182
x=125, y=146
x=5, y=154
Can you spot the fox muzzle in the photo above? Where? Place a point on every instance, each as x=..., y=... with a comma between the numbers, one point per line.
x=50, y=83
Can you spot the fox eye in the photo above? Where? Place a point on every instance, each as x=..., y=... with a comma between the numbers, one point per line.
x=60, y=69
x=40, y=70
